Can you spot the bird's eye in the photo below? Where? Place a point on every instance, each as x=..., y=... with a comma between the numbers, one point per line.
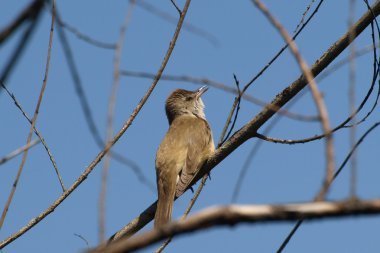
x=188, y=98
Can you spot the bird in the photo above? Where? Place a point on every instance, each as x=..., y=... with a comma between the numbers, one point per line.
x=185, y=148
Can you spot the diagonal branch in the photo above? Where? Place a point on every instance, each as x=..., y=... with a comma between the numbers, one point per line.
x=249, y=130
x=38, y=133
x=236, y=214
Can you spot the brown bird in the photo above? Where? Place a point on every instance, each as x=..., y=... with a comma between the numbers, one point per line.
x=185, y=147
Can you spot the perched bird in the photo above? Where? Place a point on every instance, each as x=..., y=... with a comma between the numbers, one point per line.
x=185, y=147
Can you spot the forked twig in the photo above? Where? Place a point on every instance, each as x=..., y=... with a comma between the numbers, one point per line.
x=37, y=132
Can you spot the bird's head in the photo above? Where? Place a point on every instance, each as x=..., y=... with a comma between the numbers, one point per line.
x=182, y=102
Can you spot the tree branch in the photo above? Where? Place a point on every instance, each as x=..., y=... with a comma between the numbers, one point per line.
x=235, y=214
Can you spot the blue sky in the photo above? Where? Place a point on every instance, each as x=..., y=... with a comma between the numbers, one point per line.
x=245, y=43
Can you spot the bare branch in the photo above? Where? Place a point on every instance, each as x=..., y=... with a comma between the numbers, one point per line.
x=83, y=239
x=176, y=6
x=198, y=31
x=234, y=109
x=235, y=214
x=304, y=15
x=282, y=49
x=83, y=36
x=37, y=132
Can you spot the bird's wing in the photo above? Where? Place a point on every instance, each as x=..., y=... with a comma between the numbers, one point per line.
x=171, y=156
x=200, y=145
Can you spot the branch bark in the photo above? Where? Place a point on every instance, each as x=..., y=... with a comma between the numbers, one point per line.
x=235, y=214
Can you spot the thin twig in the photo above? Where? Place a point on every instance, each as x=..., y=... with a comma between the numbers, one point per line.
x=83, y=36
x=37, y=132
x=235, y=108
x=255, y=149
x=25, y=154
x=198, y=31
x=282, y=49
x=304, y=15
x=18, y=151
x=83, y=239
x=289, y=236
x=176, y=6
x=110, y=118
x=99, y=157
x=248, y=161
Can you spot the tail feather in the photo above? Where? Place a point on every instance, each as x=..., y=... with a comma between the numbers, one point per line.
x=164, y=211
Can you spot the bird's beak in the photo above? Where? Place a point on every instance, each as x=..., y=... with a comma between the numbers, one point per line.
x=201, y=90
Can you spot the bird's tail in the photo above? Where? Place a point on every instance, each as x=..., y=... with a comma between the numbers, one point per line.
x=164, y=205
x=164, y=210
